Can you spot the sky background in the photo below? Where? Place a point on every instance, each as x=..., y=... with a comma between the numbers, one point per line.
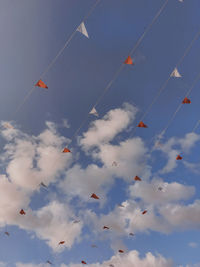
x=32, y=33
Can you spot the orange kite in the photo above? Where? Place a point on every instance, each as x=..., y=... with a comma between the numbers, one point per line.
x=66, y=150
x=178, y=157
x=144, y=212
x=128, y=61
x=41, y=84
x=137, y=178
x=186, y=101
x=94, y=196
x=61, y=242
x=22, y=212
x=142, y=125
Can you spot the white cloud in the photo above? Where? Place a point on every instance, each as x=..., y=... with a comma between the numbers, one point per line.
x=193, y=245
x=104, y=130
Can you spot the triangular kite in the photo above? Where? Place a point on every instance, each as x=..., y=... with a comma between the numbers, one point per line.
x=61, y=242
x=178, y=157
x=81, y=28
x=175, y=73
x=121, y=251
x=41, y=84
x=128, y=61
x=137, y=178
x=66, y=150
x=83, y=262
x=94, y=196
x=186, y=101
x=22, y=212
x=142, y=125
x=94, y=112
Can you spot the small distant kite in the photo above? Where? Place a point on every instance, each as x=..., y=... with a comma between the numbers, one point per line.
x=128, y=61
x=66, y=150
x=179, y=157
x=41, y=84
x=137, y=178
x=94, y=112
x=120, y=251
x=175, y=73
x=142, y=125
x=22, y=212
x=94, y=196
x=106, y=228
x=6, y=233
x=83, y=262
x=144, y=212
x=186, y=101
x=82, y=29
x=61, y=243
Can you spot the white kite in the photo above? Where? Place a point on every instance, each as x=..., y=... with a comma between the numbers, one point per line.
x=175, y=73
x=81, y=28
x=94, y=112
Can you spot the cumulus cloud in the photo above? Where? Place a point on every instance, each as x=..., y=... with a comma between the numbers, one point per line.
x=175, y=146
x=104, y=130
x=130, y=259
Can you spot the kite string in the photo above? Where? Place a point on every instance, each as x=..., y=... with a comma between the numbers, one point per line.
x=180, y=105
x=53, y=61
x=166, y=82
x=116, y=74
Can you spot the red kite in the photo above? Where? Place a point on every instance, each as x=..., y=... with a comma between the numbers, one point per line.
x=142, y=125
x=61, y=242
x=66, y=150
x=128, y=61
x=22, y=212
x=137, y=178
x=144, y=212
x=121, y=251
x=6, y=233
x=41, y=84
x=178, y=157
x=106, y=227
x=83, y=262
x=94, y=196
x=186, y=101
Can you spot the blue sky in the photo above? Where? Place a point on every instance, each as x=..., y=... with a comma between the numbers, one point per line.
x=32, y=33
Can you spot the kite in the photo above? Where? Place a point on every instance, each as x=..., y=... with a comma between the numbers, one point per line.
x=178, y=157
x=131, y=234
x=6, y=233
x=94, y=196
x=49, y=262
x=142, y=125
x=137, y=178
x=114, y=163
x=144, y=212
x=41, y=84
x=186, y=101
x=93, y=246
x=94, y=112
x=66, y=150
x=106, y=227
x=76, y=221
x=61, y=242
x=121, y=206
x=42, y=184
x=22, y=212
x=128, y=61
x=83, y=262
x=175, y=73
x=81, y=28
x=120, y=251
